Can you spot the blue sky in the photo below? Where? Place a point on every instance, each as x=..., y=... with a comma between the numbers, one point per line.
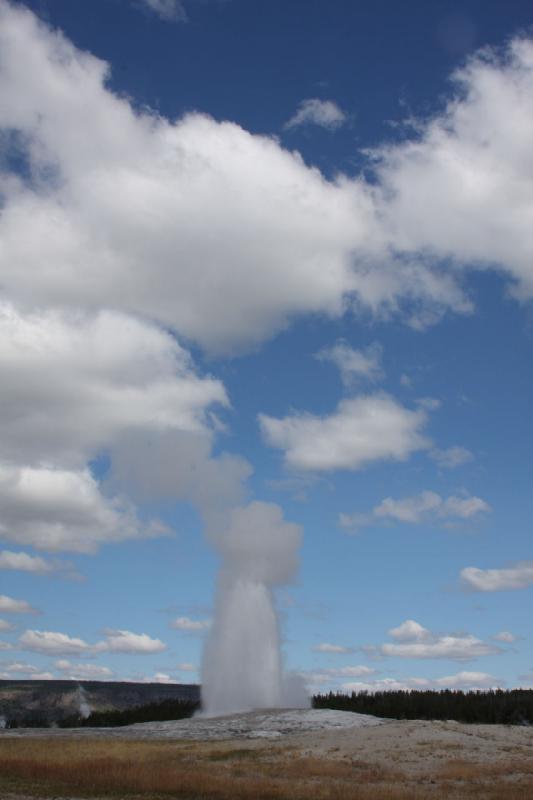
x=270, y=258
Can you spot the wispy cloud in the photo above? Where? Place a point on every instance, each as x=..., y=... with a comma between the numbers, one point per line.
x=323, y=113
x=8, y=605
x=465, y=679
x=83, y=672
x=426, y=507
x=23, y=562
x=327, y=647
x=52, y=643
x=186, y=667
x=354, y=365
x=519, y=576
x=451, y=457
x=168, y=10
x=505, y=636
x=189, y=625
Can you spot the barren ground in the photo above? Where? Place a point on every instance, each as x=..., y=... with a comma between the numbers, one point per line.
x=278, y=755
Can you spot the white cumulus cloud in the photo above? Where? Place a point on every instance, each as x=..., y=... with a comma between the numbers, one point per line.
x=119, y=641
x=462, y=188
x=415, y=641
x=8, y=605
x=410, y=631
x=135, y=193
x=25, y=563
x=74, y=382
x=116, y=641
x=363, y=429
x=52, y=643
x=58, y=510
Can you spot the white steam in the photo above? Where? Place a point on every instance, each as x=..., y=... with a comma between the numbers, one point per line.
x=242, y=664
x=83, y=704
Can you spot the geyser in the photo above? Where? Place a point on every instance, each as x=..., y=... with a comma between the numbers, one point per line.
x=242, y=664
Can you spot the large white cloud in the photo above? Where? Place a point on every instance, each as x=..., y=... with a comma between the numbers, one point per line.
x=220, y=234
x=73, y=382
x=462, y=187
x=161, y=218
x=58, y=510
x=362, y=429
x=164, y=218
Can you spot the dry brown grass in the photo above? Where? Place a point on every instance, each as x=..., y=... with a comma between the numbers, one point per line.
x=203, y=771
x=461, y=770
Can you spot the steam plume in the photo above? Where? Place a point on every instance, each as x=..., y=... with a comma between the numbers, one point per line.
x=242, y=666
x=83, y=705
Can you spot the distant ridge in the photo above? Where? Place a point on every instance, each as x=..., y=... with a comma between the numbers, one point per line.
x=40, y=703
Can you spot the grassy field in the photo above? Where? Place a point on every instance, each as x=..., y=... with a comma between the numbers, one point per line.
x=224, y=771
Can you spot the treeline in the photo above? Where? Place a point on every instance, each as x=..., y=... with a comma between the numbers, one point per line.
x=512, y=707
x=150, y=712
x=27, y=721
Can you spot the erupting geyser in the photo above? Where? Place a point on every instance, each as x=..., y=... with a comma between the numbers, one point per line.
x=242, y=665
